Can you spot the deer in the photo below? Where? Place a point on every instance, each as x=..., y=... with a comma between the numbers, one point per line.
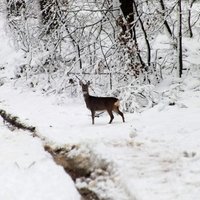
x=94, y=103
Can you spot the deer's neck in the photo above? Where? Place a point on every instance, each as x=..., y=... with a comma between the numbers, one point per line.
x=86, y=95
x=87, y=99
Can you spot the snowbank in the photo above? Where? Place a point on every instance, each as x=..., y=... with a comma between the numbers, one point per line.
x=28, y=172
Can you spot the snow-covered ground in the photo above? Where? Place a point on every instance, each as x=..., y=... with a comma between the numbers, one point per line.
x=28, y=172
x=153, y=155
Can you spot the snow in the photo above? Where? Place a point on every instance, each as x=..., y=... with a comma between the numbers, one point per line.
x=153, y=155
x=9, y=58
x=28, y=172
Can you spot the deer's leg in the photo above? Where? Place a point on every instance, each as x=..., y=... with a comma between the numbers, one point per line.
x=111, y=116
x=93, y=115
x=120, y=113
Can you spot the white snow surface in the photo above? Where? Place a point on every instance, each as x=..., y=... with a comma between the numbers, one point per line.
x=154, y=155
x=28, y=172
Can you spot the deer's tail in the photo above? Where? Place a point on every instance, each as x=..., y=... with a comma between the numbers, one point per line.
x=117, y=103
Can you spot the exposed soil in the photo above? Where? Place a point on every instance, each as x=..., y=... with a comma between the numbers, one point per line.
x=15, y=122
x=73, y=166
x=76, y=167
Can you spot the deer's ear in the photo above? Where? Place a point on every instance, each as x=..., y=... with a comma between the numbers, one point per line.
x=80, y=83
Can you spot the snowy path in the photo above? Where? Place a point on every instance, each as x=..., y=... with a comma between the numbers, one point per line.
x=154, y=155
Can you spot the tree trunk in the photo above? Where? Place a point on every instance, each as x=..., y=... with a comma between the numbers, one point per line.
x=127, y=10
x=165, y=21
x=145, y=36
x=189, y=18
x=180, y=56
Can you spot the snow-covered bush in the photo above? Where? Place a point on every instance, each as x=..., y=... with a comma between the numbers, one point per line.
x=136, y=98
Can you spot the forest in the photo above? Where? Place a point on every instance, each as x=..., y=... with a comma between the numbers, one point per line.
x=124, y=47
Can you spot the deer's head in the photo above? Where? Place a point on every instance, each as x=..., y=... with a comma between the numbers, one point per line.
x=85, y=87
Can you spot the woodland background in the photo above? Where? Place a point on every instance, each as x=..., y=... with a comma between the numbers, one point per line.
x=146, y=53
x=124, y=48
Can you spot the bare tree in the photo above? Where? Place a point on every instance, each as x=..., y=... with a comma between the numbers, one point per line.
x=191, y=2
x=70, y=38
x=163, y=13
x=127, y=9
x=180, y=51
x=145, y=36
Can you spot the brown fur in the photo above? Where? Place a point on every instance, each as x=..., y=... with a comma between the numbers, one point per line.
x=101, y=103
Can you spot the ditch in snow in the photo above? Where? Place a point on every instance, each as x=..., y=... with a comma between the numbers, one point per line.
x=79, y=166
